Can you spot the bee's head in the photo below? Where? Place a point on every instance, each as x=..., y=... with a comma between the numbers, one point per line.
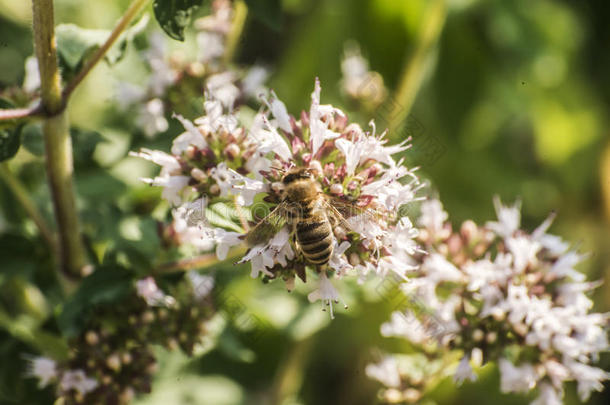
x=296, y=174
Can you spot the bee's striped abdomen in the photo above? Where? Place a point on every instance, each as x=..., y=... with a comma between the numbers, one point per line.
x=314, y=235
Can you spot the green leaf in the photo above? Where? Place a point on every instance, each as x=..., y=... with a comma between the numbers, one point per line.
x=106, y=285
x=175, y=15
x=32, y=138
x=84, y=143
x=10, y=132
x=269, y=12
x=75, y=44
x=9, y=142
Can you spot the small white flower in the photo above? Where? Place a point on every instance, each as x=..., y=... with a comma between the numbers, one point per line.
x=524, y=251
x=211, y=46
x=548, y=396
x=464, y=371
x=260, y=258
x=439, y=269
x=267, y=139
x=338, y=261
x=325, y=292
x=42, y=368
x=168, y=163
x=589, y=378
x=518, y=303
x=386, y=372
x=319, y=129
x=77, y=380
x=172, y=187
x=252, y=83
x=221, y=87
x=433, y=216
x=390, y=192
x=516, y=379
x=352, y=152
x=147, y=289
x=233, y=183
x=31, y=81
x=215, y=119
x=151, y=118
x=163, y=75
x=192, y=136
x=509, y=218
x=564, y=266
x=557, y=372
x=225, y=240
x=405, y=325
x=202, y=284
x=279, y=111
x=277, y=250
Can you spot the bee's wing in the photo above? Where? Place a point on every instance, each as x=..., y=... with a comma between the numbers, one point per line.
x=267, y=227
x=340, y=210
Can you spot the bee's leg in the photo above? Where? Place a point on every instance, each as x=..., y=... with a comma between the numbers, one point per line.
x=295, y=243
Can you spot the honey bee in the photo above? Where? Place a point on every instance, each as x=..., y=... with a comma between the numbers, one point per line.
x=311, y=214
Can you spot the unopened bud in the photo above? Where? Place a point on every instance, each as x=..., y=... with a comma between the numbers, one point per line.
x=199, y=175
x=469, y=230
x=411, y=395
x=214, y=189
x=392, y=395
x=127, y=395
x=329, y=169
x=91, y=338
x=126, y=358
x=336, y=189
x=232, y=151
x=196, y=69
x=148, y=316
x=172, y=344
x=478, y=335
x=114, y=362
x=315, y=167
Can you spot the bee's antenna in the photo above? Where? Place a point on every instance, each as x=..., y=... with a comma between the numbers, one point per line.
x=278, y=169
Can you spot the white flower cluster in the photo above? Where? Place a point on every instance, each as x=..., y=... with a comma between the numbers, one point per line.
x=174, y=71
x=216, y=163
x=500, y=294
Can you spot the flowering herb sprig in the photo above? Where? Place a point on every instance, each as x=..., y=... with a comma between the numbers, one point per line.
x=112, y=359
x=175, y=78
x=500, y=294
x=217, y=160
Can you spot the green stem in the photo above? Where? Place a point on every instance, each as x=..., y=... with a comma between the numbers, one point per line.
x=58, y=145
x=237, y=26
x=199, y=262
x=415, y=66
x=130, y=14
x=26, y=202
x=289, y=377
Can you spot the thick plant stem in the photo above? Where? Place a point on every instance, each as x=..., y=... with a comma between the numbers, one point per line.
x=415, y=66
x=26, y=202
x=58, y=145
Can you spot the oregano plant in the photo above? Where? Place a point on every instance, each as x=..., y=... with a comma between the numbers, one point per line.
x=209, y=221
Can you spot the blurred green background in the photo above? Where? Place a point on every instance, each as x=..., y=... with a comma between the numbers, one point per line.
x=515, y=94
